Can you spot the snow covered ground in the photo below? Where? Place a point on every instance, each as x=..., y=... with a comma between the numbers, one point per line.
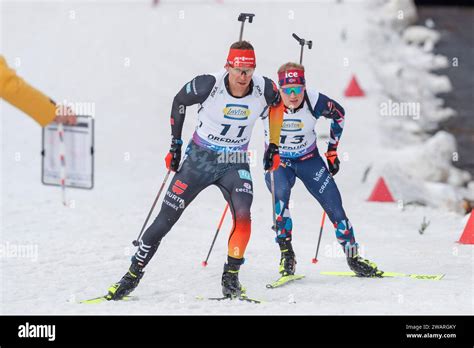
x=130, y=59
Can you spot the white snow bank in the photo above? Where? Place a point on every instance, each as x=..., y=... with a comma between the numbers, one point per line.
x=423, y=174
x=398, y=13
x=432, y=160
x=403, y=64
x=421, y=36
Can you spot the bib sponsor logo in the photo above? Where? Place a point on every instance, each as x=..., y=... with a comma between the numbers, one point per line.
x=227, y=140
x=236, y=112
x=291, y=147
x=245, y=174
x=292, y=125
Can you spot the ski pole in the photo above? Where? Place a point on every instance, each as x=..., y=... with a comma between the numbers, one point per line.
x=303, y=42
x=272, y=181
x=242, y=17
x=136, y=241
x=319, y=239
x=204, y=263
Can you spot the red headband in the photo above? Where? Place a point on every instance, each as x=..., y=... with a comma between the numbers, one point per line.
x=289, y=77
x=238, y=58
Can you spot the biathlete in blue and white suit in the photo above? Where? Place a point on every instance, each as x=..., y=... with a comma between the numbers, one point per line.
x=300, y=159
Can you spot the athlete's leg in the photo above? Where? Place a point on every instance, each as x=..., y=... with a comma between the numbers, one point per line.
x=284, y=180
x=319, y=182
x=236, y=186
x=186, y=184
x=195, y=174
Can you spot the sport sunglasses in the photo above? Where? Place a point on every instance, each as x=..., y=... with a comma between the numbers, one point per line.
x=295, y=90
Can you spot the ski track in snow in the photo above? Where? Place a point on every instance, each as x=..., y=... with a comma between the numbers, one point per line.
x=81, y=251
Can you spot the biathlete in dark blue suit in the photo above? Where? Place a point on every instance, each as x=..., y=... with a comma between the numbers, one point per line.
x=300, y=159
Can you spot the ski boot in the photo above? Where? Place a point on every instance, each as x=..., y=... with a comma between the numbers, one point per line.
x=363, y=267
x=127, y=284
x=231, y=286
x=287, y=261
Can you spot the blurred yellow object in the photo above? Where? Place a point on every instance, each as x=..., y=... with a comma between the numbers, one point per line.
x=25, y=97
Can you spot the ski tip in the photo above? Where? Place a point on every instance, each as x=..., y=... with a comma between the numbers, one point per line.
x=314, y=260
x=284, y=280
x=94, y=300
x=105, y=298
x=204, y=264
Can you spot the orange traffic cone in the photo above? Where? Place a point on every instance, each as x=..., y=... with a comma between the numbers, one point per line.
x=467, y=236
x=381, y=193
x=354, y=90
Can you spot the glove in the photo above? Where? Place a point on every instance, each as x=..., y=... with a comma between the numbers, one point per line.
x=333, y=161
x=332, y=111
x=271, y=160
x=173, y=157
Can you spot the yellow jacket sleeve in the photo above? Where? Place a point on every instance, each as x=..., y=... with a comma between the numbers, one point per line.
x=23, y=96
x=276, y=120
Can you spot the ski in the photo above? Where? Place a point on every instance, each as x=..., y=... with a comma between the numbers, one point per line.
x=244, y=298
x=284, y=280
x=390, y=275
x=104, y=298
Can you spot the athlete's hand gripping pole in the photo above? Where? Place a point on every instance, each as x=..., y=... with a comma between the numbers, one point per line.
x=173, y=158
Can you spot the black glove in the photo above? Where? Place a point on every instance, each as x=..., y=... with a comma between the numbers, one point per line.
x=271, y=160
x=174, y=155
x=333, y=110
x=333, y=161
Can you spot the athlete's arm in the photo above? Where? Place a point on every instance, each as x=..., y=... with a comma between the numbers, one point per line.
x=194, y=92
x=329, y=108
x=276, y=110
x=271, y=159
